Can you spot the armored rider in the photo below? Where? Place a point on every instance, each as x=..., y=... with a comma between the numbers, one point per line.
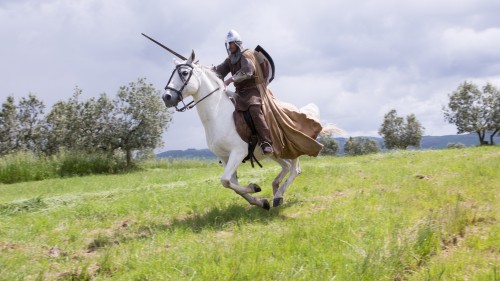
x=247, y=95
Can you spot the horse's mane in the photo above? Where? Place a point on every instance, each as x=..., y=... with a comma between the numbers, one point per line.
x=212, y=75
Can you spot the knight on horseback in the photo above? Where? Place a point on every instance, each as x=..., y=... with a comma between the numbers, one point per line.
x=248, y=96
x=293, y=130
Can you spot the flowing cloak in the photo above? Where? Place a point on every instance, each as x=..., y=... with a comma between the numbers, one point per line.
x=293, y=133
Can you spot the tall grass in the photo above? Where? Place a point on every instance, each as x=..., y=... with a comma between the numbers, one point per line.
x=27, y=166
x=80, y=163
x=412, y=215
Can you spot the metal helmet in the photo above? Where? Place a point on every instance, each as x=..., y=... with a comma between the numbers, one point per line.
x=233, y=36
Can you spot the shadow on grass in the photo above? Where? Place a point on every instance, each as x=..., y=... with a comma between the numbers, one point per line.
x=219, y=218
x=215, y=219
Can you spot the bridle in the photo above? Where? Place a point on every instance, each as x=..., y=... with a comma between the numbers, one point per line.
x=181, y=71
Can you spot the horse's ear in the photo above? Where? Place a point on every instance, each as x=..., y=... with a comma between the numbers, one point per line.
x=191, y=57
x=176, y=61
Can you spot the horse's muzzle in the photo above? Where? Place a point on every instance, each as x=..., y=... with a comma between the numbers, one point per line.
x=170, y=100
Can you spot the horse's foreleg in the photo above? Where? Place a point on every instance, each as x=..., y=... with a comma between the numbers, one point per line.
x=262, y=202
x=244, y=191
x=294, y=169
x=232, y=183
x=234, y=178
x=229, y=178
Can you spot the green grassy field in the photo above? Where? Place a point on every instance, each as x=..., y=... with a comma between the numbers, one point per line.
x=410, y=215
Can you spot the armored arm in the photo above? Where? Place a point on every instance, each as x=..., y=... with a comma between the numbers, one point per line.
x=246, y=72
x=223, y=69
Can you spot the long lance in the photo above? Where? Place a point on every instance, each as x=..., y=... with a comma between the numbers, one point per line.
x=165, y=47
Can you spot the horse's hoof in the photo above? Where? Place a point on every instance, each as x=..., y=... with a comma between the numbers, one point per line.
x=256, y=188
x=277, y=202
x=265, y=204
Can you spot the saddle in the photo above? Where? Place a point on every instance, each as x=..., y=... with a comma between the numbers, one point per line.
x=246, y=130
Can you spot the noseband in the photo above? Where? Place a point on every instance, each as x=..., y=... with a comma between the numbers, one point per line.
x=179, y=69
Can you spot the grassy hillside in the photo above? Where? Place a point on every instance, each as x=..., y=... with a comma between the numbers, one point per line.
x=413, y=215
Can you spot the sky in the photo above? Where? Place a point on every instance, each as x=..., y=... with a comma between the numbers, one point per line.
x=356, y=60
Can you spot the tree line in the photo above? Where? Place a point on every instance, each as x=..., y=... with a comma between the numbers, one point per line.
x=470, y=108
x=135, y=119
x=131, y=122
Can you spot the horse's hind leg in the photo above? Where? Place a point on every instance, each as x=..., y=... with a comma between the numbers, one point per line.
x=285, y=168
x=294, y=169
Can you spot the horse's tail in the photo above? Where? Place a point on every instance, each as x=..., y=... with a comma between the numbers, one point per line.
x=312, y=110
x=331, y=129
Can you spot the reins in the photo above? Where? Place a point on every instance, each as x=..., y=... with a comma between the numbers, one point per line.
x=189, y=106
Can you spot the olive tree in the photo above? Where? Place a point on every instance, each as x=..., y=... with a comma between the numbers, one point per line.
x=98, y=122
x=21, y=126
x=474, y=111
x=8, y=127
x=65, y=126
x=399, y=133
x=330, y=145
x=140, y=118
x=360, y=146
x=31, y=128
x=131, y=122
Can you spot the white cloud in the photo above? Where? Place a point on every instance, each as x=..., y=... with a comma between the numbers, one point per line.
x=355, y=60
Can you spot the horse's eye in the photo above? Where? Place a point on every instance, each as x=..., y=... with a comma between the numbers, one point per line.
x=184, y=72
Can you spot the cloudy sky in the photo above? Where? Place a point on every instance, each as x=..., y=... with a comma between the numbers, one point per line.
x=355, y=59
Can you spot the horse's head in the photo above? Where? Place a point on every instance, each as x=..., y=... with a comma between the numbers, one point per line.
x=180, y=84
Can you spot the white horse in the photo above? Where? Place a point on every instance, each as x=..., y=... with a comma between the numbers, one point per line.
x=215, y=110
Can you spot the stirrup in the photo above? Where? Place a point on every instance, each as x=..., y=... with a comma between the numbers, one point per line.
x=267, y=148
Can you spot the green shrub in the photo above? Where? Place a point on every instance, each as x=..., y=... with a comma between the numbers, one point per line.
x=457, y=145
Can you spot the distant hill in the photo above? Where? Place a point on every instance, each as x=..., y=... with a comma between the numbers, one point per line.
x=428, y=142
x=188, y=153
x=439, y=142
